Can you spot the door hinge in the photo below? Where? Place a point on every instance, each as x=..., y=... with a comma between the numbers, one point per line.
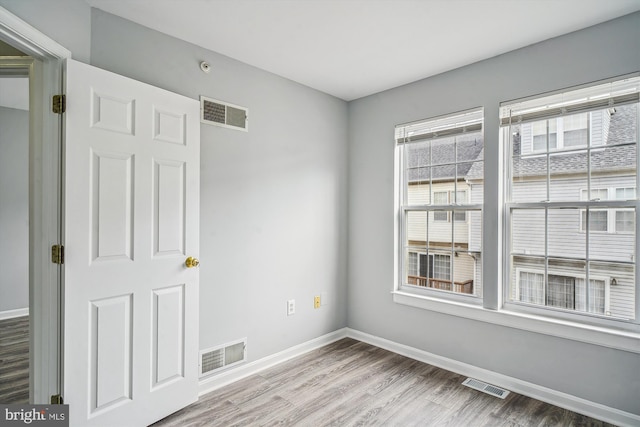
x=56, y=399
x=57, y=254
x=59, y=104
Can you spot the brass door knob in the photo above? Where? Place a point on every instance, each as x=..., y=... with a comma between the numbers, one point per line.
x=192, y=262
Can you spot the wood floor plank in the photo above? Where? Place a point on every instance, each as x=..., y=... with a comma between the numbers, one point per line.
x=350, y=383
x=14, y=360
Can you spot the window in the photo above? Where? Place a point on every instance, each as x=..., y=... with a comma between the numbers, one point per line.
x=570, y=215
x=449, y=198
x=560, y=252
x=419, y=269
x=441, y=267
x=598, y=219
x=561, y=132
x=614, y=221
x=439, y=163
x=624, y=218
x=460, y=199
x=566, y=292
x=441, y=198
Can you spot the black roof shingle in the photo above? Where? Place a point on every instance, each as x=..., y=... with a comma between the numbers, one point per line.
x=617, y=153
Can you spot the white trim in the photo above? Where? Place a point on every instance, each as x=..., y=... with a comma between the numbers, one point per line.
x=44, y=197
x=29, y=39
x=214, y=382
x=10, y=314
x=590, y=334
x=554, y=397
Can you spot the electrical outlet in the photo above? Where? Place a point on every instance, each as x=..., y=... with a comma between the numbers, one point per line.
x=291, y=307
x=316, y=301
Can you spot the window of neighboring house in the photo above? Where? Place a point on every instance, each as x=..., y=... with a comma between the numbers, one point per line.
x=625, y=218
x=583, y=248
x=440, y=198
x=562, y=132
x=598, y=218
x=461, y=198
x=450, y=197
x=438, y=161
x=419, y=270
x=412, y=264
x=611, y=220
x=565, y=292
x=441, y=266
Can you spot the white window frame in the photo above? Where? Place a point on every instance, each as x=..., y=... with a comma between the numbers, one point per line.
x=599, y=97
x=474, y=123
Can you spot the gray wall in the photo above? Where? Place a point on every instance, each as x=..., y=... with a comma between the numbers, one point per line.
x=273, y=200
x=14, y=209
x=599, y=374
x=68, y=22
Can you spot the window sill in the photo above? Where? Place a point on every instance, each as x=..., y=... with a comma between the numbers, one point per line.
x=606, y=337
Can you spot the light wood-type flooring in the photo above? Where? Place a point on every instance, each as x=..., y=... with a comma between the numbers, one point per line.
x=14, y=360
x=350, y=383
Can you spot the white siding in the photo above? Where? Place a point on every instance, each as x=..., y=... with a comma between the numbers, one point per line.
x=417, y=226
x=475, y=218
x=477, y=282
x=606, y=121
x=463, y=266
x=565, y=238
x=597, y=131
x=526, y=136
x=439, y=231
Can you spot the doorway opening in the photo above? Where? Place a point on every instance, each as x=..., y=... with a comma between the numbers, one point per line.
x=33, y=59
x=14, y=225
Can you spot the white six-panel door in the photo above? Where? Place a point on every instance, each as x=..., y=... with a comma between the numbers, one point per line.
x=131, y=220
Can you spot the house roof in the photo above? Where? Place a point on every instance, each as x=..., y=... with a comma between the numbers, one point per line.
x=618, y=153
x=442, y=153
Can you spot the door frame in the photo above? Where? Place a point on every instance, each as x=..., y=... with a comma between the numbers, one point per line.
x=45, y=203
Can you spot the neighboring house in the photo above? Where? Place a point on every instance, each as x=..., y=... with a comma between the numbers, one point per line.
x=610, y=246
x=611, y=242
x=440, y=245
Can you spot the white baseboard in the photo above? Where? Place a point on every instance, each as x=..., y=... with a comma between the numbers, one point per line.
x=227, y=377
x=563, y=400
x=10, y=314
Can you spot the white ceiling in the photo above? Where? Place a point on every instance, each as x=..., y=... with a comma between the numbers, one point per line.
x=353, y=48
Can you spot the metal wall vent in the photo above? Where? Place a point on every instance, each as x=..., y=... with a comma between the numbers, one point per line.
x=220, y=113
x=222, y=357
x=486, y=388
